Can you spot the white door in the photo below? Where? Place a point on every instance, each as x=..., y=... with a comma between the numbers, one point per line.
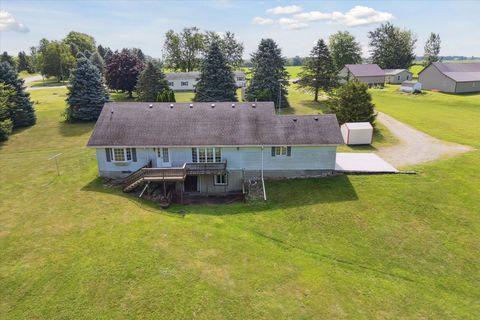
x=163, y=155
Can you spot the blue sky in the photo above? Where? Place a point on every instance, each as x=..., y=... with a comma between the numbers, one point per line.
x=295, y=25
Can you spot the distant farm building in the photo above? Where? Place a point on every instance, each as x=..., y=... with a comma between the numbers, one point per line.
x=186, y=81
x=397, y=76
x=411, y=86
x=370, y=74
x=357, y=133
x=451, y=77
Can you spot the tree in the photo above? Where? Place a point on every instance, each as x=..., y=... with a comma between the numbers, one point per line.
x=7, y=109
x=5, y=57
x=344, y=49
x=166, y=96
x=24, y=62
x=391, y=47
x=318, y=71
x=122, y=71
x=86, y=92
x=230, y=47
x=151, y=83
x=183, y=50
x=102, y=51
x=269, y=75
x=98, y=62
x=432, y=49
x=352, y=102
x=217, y=82
x=136, y=52
x=57, y=60
x=297, y=61
x=24, y=114
x=81, y=42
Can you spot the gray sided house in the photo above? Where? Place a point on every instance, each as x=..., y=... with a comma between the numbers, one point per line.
x=211, y=148
x=370, y=74
x=451, y=77
x=397, y=76
x=186, y=81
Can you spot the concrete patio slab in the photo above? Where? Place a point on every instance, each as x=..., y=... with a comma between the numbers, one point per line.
x=362, y=163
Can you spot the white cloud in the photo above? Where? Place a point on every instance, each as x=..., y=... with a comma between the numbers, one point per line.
x=357, y=16
x=262, y=21
x=292, y=23
x=8, y=23
x=285, y=10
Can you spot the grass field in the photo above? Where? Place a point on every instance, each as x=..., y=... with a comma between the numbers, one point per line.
x=357, y=247
x=25, y=74
x=415, y=69
x=48, y=82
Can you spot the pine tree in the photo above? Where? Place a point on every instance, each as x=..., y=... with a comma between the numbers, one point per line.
x=86, y=92
x=7, y=109
x=24, y=114
x=5, y=57
x=269, y=75
x=98, y=62
x=352, y=102
x=432, y=49
x=217, y=81
x=318, y=71
x=166, y=96
x=150, y=83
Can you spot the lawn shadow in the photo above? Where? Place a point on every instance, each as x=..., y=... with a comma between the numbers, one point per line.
x=74, y=129
x=281, y=194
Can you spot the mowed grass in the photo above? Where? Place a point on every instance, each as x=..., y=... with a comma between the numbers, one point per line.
x=25, y=74
x=371, y=247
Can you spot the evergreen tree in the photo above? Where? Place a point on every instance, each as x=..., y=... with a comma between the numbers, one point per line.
x=269, y=75
x=97, y=61
x=5, y=57
x=24, y=62
x=24, y=114
x=122, y=71
x=344, y=49
x=166, y=96
x=318, y=71
x=7, y=109
x=86, y=92
x=392, y=48
x=432, y=49
x=352, y=102
x=150, y=83
x=217, y=81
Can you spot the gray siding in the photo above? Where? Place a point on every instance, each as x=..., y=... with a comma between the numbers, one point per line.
x=464, y=87
x=432, y=79
x=345, y=75
x=398, y=78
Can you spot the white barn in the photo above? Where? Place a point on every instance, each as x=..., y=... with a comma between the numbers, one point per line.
x=357, y=133
x=186, y=81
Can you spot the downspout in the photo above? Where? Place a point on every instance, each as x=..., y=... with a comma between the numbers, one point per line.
x=263, y=181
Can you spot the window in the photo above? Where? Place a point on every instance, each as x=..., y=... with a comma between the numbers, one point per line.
x=209, y=155
x=171, y=84
x=398, y=77
x=118, y=154
x=281, y=151
x=240, y=79
x=164, y=154
x=220, y=180
x=121, y=154
x=184, y=83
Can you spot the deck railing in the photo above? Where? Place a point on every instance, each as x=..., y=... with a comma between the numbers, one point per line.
x=195, y=168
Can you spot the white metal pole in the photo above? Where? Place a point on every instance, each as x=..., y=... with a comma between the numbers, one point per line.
x=263, y=181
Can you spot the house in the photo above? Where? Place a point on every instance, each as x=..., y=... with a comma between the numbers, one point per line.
x=186, y=81
x=370, y=74
x=397, y=76
x=205, y=148
x=355, y=133
x=451, y=77
x=411, y=86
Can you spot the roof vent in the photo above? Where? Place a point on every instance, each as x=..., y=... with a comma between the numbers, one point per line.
x=316, y=118
x=111, y=109
x=253, y=105
x=191, y=105
x=233, y=105
x=213, y=105
x=171, y=105
x=294, y=119
x=150, y=106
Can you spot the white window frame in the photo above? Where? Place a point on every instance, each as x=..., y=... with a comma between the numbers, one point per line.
x=281, y=151
x=215, y=182
x=216, y=158
x=171, y=84
x=183, y=83
x=127, y=155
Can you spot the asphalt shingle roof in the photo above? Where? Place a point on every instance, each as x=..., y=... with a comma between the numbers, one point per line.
x=462, y=72
x=199, y=124
x=365, y=70
x=193, y=75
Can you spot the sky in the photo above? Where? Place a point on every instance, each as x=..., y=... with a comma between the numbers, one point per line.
x=294, y=25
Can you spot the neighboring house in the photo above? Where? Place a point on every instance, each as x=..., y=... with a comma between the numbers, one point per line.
x=211, y=148
x=186, y=81
x=370, y=74
x=397, y=76
x=411, y=86
x=451, y=77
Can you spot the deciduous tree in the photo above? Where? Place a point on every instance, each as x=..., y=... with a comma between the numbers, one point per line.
x=57, y=60
x=432, y=49
x=81, y=42
x=217, y=82
x=24, y=62
x=122, y=71
x=344, y=49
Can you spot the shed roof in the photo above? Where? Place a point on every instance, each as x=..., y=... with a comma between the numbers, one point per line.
x=193, y=75
x=461, y=72
x=164, y=124
x=358, y=125
x=407, y=83
x=365, y=70
x=392, y=72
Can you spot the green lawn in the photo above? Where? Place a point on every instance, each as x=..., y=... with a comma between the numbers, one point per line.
x=25, y=74
x=415, y=69
x=47, y=82
x=357, y=247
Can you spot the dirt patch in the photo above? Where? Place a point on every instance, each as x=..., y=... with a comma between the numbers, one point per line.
x=415, y=147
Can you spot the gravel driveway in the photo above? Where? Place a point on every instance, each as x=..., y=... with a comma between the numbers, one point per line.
x=415, y=147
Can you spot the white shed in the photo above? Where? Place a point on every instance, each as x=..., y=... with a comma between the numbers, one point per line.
x=411, y=86
x=357, y=133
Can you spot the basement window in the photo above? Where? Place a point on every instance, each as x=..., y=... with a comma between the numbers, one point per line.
x=220, y=180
